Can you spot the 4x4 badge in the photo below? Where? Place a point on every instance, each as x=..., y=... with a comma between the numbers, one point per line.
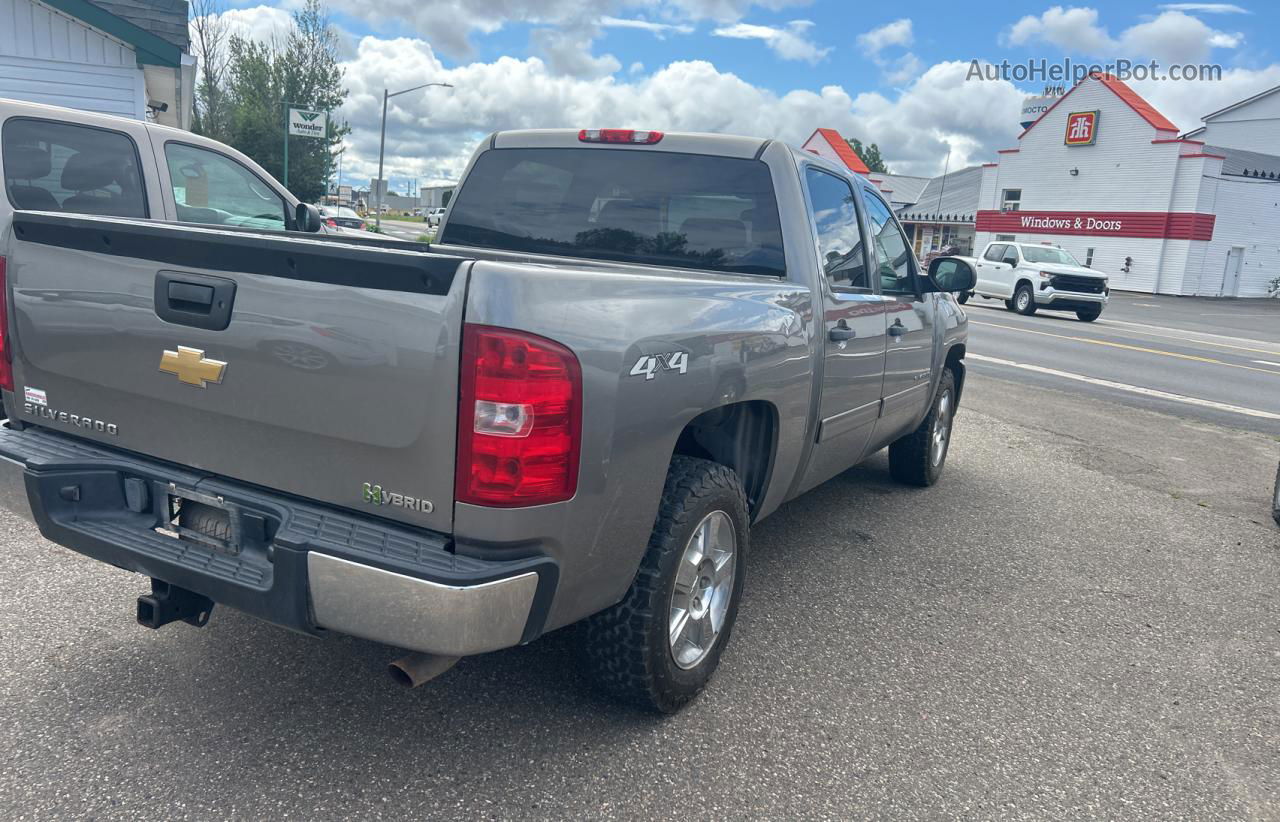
x=192, y=367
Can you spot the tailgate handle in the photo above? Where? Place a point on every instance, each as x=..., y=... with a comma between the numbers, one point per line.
x=196, y=300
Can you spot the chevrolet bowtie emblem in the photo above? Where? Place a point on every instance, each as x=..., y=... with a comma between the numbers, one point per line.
x=191, y=366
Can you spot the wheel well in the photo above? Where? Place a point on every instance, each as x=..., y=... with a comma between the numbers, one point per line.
x=955, y=361
x=742, y=436
x=1021, y=283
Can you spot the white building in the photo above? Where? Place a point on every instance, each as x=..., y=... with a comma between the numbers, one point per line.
x=123, y=57
x=1106, y=176
x=1253, y=124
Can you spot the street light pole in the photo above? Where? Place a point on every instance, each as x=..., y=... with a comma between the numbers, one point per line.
x=382, y=143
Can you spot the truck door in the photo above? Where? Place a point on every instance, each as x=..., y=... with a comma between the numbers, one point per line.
x=987, y=270
x=909, y=314
x=852, y=328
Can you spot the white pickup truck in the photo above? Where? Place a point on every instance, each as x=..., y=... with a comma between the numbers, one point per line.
x=1031, y=276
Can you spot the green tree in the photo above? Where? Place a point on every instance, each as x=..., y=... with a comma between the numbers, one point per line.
x=260, y=78
x=869, y=155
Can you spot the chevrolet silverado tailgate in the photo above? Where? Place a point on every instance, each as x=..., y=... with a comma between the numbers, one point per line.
x=310, y=365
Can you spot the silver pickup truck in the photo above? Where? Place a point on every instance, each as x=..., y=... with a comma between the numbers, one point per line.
x=626, y=349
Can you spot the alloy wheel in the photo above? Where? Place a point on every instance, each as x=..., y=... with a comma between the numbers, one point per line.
x=703, y=588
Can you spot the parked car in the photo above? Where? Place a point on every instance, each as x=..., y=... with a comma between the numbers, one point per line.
x=559, y=414
x=434, y=216
x=342, y=217
x=417, y=212
x=1030, y=276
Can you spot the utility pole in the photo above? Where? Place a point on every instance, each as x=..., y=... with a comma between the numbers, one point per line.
x=382, y=143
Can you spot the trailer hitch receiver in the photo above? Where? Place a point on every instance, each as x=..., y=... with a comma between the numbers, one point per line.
x=168, y=603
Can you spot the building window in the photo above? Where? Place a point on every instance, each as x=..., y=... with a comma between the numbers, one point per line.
x=1088, y=258
x=1005, y=238
x=1011, y=200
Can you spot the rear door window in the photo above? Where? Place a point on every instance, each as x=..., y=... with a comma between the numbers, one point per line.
x=212, y=189
x=51, y=166
x=652, y=207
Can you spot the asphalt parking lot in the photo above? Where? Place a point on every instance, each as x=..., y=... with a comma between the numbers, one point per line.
x=1080, y=620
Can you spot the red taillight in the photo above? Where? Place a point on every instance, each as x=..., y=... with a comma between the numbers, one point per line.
x=6, y=353
x=519, y=419
x=332, y=223
x=619, y=135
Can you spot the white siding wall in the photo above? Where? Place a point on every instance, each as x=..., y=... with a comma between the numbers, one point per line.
x=1253, y=127
x=46, y=57
x=1124, y=171
x=1249, y=218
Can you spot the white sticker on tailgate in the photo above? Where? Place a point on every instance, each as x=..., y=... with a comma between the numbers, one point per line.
x=35, y=396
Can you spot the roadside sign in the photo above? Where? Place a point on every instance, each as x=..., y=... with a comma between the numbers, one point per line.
x=303, y=123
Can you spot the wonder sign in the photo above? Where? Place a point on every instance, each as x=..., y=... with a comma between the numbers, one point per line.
x=303, y=123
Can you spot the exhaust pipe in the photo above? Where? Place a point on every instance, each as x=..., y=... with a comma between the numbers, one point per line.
x=418, y=669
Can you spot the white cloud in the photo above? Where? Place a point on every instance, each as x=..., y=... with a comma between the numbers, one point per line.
x=568, y=51
x=1171, y=37
x=729, y=10
x=790, y=42
x=897, y=33
x=259, y=23
x=1206, y=8
x=657, y=29
x=1186, y=102
x=431, y=134
x=1074, y=30
x=900, y=70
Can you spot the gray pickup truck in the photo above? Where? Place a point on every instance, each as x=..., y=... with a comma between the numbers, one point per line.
x=626, y=349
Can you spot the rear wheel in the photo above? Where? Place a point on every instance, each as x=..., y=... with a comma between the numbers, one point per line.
x=1008, y=304
x=1088, y=315
x=918, y=458
x=659, y=646
x=1024, y=301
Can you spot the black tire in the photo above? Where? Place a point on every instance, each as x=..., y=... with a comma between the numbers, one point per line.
x=628, y=646
x=1024, y=300
x=911, y=458
x=962, y=297
x=1088, y=315
x=1009, y=304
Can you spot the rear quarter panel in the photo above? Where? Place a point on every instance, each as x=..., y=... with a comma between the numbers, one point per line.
x=745, y=337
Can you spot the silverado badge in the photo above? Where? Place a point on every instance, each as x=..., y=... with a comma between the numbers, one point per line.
x=192, y=367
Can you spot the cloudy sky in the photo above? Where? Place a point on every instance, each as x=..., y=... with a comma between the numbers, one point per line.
x=889, y=73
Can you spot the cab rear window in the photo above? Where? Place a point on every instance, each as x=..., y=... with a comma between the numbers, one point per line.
x=50, y=166
x=651, y=207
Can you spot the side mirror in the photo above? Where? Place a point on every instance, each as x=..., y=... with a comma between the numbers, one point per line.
x=307, y=218
x=952, y=274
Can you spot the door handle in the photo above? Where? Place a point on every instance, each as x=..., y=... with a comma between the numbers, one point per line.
x=841, y=333
x=197, y=300
x=190, y=297
x=897, y=329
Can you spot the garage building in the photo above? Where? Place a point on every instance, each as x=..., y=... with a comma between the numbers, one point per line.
x=1107, y=177
x=122, y=57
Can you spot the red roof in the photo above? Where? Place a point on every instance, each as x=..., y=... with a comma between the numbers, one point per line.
x=1144, y=109
x=843, y=150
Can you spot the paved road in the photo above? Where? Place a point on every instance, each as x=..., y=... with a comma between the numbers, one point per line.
x=1065, y=627
x=1213, y=360
x=402, y=230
